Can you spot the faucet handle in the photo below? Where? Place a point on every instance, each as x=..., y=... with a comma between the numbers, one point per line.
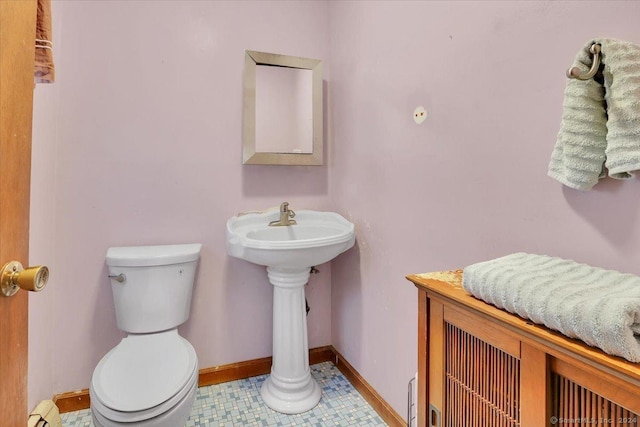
x=291, y=213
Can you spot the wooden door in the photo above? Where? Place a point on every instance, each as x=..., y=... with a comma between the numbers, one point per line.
x=17, y=38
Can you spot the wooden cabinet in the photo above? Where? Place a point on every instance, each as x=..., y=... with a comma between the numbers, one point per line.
x=481, y=366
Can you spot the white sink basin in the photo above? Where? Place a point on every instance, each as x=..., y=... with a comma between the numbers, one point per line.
x=318, y=237
x=288, y=252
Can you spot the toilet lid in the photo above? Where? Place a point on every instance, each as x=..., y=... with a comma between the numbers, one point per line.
x=143, y=371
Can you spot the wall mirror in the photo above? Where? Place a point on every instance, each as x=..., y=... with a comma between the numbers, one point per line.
x=282, y=110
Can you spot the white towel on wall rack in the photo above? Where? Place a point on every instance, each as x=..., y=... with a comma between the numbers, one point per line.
x=601, y=119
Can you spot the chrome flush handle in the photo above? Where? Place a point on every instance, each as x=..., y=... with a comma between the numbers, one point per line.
x=119, y=278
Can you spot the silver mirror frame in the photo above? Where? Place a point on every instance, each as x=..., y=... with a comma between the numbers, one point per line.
x=249, y=154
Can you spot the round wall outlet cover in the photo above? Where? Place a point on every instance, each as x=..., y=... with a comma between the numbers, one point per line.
x=419, y=114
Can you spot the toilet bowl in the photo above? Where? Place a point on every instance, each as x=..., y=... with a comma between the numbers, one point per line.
x=150, y=378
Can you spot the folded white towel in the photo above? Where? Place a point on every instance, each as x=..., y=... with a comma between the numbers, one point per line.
x=600, y=307
x=601, y=119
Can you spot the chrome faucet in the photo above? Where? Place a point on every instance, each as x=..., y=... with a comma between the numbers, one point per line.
x=285, y=215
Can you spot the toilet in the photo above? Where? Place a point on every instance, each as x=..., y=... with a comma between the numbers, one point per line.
x=150, y=378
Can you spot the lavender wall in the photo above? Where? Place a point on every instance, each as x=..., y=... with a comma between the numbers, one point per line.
x=470, y=183
x=139, y=142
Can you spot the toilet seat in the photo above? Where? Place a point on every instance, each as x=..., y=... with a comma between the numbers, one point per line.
x=144, y=376
x=176, y=416
x=184, y=397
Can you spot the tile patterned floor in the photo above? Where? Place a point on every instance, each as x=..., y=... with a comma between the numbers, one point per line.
x=238, y=404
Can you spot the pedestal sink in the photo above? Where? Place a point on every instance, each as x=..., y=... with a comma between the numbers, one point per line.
x=289, y=252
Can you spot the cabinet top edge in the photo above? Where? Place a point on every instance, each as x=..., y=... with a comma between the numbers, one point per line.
x=447, y=277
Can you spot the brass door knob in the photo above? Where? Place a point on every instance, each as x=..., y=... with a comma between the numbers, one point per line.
x=14, y=277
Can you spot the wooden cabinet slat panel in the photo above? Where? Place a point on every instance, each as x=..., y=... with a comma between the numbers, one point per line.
x=598, y=383
x=477, y=387
x=573, y=404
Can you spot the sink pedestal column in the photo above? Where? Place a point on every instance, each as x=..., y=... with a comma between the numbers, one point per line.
x=290, y=389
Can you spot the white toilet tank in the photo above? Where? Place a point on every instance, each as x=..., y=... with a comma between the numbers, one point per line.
x=152, y=285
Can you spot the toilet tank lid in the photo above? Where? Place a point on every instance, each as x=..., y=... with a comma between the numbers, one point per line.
x=145, y=256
